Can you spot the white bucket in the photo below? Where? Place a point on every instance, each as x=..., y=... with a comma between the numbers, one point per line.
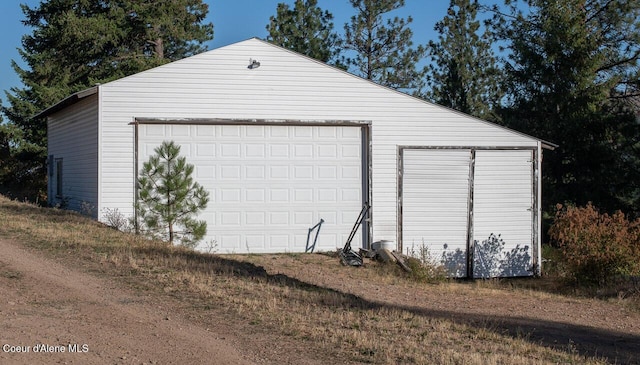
x=384, y=244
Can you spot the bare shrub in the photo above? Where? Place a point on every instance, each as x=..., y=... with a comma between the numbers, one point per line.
x=115, y=219
x=87, y=208
x=211, y=246
x=597, y=247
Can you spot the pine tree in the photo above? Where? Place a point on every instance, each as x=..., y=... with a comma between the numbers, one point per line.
x=464, y=73
x=306, y=29
x=78, y=43
x=570, y=64
x=168, y=198
x=16, y=178
x=384, y=52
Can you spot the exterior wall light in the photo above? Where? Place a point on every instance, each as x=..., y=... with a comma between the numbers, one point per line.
x=253, y=64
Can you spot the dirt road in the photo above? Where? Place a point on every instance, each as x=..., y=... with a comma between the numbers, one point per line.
x=51, y=314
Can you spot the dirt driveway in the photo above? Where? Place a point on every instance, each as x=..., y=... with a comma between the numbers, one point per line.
x=51, y=314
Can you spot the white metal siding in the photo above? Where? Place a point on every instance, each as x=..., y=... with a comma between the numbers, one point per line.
x=73, y=137
x=269, y=184
x=503, y=213
x=435, y=195
x=218, y=84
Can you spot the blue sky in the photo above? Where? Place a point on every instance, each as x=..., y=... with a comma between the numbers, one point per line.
x=233, y=20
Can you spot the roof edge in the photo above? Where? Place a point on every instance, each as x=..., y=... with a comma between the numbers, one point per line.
x=545, y=144
x=69, y=100
x=548, y=145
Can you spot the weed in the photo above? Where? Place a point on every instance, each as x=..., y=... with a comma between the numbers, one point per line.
x=11, y=274
x=209, y=247
x=424, y=267
x=87, y=208
x=115, y=219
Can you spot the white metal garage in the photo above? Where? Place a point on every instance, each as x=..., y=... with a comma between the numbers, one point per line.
x=283, y=146
x=471, y=208
x=269, y=184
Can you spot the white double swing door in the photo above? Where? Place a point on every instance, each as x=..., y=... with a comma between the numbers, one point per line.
x=456, y=199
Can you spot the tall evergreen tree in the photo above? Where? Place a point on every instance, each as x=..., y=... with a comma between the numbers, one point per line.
x=78, y=43
x=569, y=67
x=464, y=73
x=384, y=50
x=306, y=29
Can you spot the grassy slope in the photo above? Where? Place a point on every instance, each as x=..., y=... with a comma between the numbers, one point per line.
x=328, y=323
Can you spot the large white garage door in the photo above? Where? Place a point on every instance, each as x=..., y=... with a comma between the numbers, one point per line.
x=269, y=184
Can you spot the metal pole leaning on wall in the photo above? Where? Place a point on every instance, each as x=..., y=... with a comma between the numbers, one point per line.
x=312, y=247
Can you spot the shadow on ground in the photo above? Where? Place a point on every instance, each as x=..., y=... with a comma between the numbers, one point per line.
x=616, y=347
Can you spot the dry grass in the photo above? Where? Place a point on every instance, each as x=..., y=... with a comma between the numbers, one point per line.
x=329, y=322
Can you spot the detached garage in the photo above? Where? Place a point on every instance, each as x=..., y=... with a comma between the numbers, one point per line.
x=284, y=143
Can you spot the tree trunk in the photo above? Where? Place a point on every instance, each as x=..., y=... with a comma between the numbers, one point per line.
x=158, y=48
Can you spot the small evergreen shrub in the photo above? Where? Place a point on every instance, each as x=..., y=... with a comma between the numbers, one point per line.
x=169, y=200
x=596, y=247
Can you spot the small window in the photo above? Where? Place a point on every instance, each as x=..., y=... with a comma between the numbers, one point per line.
x=59, y=178
x=50, y=165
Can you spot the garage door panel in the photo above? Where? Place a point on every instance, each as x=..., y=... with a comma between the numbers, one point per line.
x=205, y=130
x=435, y=204
x=269, y=184
x=228, y=131
x=503, y=213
